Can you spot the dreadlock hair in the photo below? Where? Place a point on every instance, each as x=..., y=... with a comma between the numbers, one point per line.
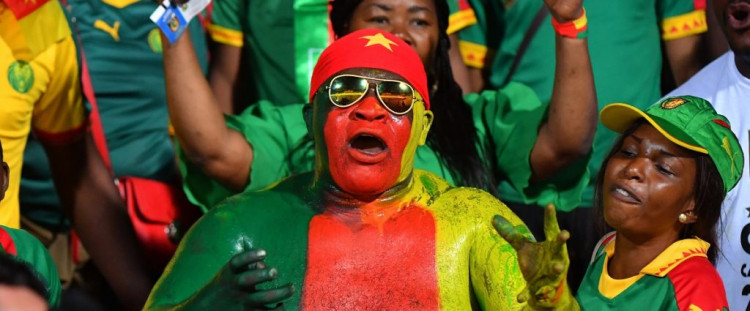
x=708, y=189
x=452, y=136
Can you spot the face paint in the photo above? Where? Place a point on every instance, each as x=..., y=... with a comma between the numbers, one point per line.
x=365, y=144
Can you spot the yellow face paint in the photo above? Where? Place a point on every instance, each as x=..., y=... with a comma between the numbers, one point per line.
x=420, y=126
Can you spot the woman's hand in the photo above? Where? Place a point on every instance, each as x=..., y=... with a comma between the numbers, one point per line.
x=564, y=11
x=544, y=264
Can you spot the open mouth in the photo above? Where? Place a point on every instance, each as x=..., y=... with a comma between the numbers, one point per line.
x=367, y=148
x=738, y=15
x=623, y=194
x=367, y=144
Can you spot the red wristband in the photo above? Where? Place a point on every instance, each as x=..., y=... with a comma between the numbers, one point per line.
x=576, y=29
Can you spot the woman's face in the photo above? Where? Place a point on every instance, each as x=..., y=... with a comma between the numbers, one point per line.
x=647, y=184
x=414, y=21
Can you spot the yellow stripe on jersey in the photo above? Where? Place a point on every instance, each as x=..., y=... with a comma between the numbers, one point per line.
x=473, y=54
x=226, y=36
x=684, y=25
x=461, y=20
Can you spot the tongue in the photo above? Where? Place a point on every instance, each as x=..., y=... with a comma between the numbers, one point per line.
x=368, y=144
x=739, y=15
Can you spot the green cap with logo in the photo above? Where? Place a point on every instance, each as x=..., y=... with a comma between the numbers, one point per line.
x=690, y=122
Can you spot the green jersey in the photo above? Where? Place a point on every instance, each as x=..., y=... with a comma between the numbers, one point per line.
x=624, y=45
x=123, y=51
x=680, y=278
x=506, y=123
x=26, y=248
x=283, y=39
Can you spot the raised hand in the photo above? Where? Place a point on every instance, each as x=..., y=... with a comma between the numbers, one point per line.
x=565, y=10
x=544, y=264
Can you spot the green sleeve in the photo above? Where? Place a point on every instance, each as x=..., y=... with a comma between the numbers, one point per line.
x=479, y=41
x=280, y=149
x=681, y=18
x=229, y=13
x=508, y=123
x=671, y=8
x=31, y=251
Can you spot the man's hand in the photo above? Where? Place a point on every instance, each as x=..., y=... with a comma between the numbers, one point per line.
x=544, y=264
x=244, y=272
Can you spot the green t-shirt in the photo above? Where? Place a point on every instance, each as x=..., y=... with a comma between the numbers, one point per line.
x=283, y=39
x=507, y=120
x=28, y=249
x=624, y=45
x=123, y=51
x=281, y=43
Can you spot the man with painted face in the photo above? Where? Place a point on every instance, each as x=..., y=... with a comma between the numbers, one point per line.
x=364, y=230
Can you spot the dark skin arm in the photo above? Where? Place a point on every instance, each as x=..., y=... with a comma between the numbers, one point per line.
x=225, y=67
x=686, y=57
x=470, y=79
x=569, y=131
x=90, y=199
x=222, y=153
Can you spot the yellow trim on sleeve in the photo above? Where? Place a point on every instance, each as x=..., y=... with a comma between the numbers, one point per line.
x=226, y=36
x=461, y=20
x=684, y=25
x=473, y=54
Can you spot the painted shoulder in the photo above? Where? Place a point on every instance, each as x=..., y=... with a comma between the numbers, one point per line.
x=447, y=199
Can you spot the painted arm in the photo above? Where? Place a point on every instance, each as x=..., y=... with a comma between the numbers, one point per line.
x=90, y=199
x=225, y=67
x=217, y=268
x=569, y=131
x=544, y=264
x=468, y=78
x=222, y=153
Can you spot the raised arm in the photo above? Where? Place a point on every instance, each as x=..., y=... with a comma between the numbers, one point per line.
x=225, y=68
x=222, y=153
x=569, y=131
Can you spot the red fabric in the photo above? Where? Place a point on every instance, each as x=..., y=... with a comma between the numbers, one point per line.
x=699, y=4
x=352, y=51
x=352, y=266
x=22, y=8
x=6, y=242
x=696, y=282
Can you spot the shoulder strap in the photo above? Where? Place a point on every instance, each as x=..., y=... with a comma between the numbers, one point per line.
x=540, y=15
x=95, y=122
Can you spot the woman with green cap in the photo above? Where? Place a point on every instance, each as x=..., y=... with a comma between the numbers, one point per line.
x=660, y=192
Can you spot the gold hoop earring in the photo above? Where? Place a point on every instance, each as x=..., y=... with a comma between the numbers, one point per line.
x=683, y=218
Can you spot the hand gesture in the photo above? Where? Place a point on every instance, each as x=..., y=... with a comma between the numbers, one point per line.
x=239, y=279
x=565, y=10
x=544, y=264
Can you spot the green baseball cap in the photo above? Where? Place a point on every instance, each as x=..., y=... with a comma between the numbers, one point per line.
x=690, y=122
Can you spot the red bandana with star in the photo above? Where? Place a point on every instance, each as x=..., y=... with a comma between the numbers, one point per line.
x=371, y=48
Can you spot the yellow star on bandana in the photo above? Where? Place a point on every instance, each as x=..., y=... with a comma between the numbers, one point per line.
x=380, y=40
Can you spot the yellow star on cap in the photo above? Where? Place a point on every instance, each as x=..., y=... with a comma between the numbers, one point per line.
x=379, y=39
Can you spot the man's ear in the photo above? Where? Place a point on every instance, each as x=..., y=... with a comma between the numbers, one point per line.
x=6, y=178
x=307, y=114
x=427, y=118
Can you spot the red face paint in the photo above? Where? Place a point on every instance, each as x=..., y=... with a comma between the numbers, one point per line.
x=365, y=144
